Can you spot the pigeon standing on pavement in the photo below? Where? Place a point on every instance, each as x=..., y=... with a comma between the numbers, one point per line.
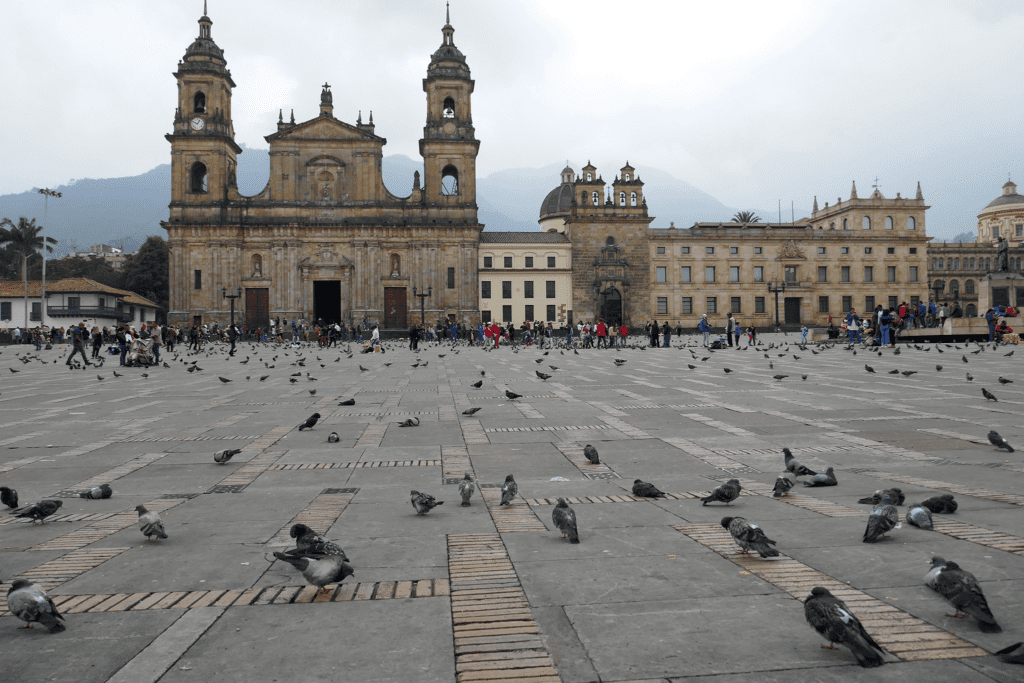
x=941, y=504
x=97, y=492
x=999, y=441
x=509, y=490
x=883, y=519
x=30, y=603
x=919, y=516
x=833, y=620
x=724, y=493
x=319, y=571
x=962, y=591
x=827, y=479
x=876, y=497
x=988, y=395
x=471, y=411
x=793, y=465
x=310, y=422
x=348, y=402
x=511, y=395
x=564, y=518
x=782, y=485
x=646, y=490
x=38, y=512
x=223, y=456
x=466, y=489
x=477, y=384
x=333, y=437
x=8, y=497
x=150, y=523
x=749, y=536
x=423, y=502
x=309, y=543
x=591, y=454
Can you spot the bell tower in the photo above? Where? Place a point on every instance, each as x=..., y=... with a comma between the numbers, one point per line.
x=449, y=145
x=203, y=149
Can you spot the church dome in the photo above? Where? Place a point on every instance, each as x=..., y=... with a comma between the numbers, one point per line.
x=559, y=200
x=1009, y=196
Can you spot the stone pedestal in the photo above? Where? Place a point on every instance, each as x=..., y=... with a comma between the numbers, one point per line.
x=1000, y=289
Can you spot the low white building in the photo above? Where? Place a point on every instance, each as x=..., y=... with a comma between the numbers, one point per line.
x=70, y=301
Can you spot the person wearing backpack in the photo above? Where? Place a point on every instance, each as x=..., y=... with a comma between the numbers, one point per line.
x=704, y=327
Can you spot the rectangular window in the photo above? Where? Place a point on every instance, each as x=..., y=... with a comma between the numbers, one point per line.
x=662, y=273
x=791, y=274
x=488, y=261
x=758, y=304
x=869, y=273
x=528, y=290
x=913, y=250
x=712, y=305
x=734, y=250
x=894, y=302
x=662, y=305
x=506, y=314
x=844, y=250
x=37, y=311
x=529, y=312
x=822, y=304
x=869, y=304
x=485, y=289
x=735, y=304
x=734, y=273
x=684, y=251
x=1018, y=230
x=687, y=306
x=451, y=278
x=508, y=261
x=661, y=250
x=550, y=286
x=822, y=273
x=5, y=310
x=103, y=302
x=551, y=313
x=506, y=289
x=915, y=301
x=995, y=232
x=485, y=316
x=709, y=250
x=551, y=262
x=74, y=302
x=757, y=250
x=844, y=274
x=890, y=273
x=847, y=304
x=198, y=279
x=684, y=273
x=758, y=273
x=913, y=274
x=709, y=272
x=821, y=250
x=890, y=250
x=529, y=261
x=867, y=250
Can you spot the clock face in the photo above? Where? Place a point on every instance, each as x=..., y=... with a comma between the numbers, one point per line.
x=198, y=123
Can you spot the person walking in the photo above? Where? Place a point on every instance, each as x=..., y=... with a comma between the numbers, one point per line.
x=884, y=325
x=705, y=328
x=751, y=335
x=97, y=342
x=78, y=337
x=655, y=330
x=232, y=337
x=803, y=334
x=730, y=329
x=156, y=336
x=666, y=334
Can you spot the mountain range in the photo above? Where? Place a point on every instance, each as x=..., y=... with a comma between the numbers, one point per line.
x=124, y=211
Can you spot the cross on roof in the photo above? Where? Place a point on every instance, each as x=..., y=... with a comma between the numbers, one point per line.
x=326, y=86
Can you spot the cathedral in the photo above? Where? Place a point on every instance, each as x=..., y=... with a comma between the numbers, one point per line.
x=325, y=239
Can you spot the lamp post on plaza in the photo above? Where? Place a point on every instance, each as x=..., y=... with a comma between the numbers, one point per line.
x=238, y=295
x=47, y=193
x=423, y=298
x=774, y=288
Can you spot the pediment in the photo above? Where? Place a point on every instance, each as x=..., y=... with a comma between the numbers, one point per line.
x=323, y=128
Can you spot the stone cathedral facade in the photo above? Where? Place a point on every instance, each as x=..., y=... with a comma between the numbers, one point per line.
x=325, y=239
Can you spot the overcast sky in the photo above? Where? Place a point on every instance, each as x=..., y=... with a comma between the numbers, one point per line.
x=752, y=102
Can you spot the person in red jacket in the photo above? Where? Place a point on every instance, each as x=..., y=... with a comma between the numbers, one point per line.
x=602, y=334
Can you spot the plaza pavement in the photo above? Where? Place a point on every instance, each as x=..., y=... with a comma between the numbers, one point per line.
x=655, y=591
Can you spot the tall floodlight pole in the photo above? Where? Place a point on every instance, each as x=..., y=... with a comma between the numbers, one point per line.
x=47, y=193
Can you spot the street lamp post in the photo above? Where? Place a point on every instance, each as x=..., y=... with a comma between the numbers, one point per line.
x=238, y=295
x=423, y=298
x=774, y=288
x=47, y=193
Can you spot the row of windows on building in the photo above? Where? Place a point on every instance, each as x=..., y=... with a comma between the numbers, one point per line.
x=1018, y=231
x=507, y=262
x=865, y=223
x=791, y=274
x=74, y=305
x=734, y=251
x=982, y=264
x=735, y=304
x=506, y=289
x=528, y=314
x=198, y=276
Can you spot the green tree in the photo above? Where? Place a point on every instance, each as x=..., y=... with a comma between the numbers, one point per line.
x=746, y=217
x=91, y=267
x=146, y=272
x=25, y=239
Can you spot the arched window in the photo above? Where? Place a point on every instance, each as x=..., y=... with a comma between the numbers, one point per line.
x=590, y=176
x=449, y=108
x=968, y=286
x=911, y=223
x=888, y=222
x=954, y=288
x=846, y=224
x=971, y=311
x=626, y=177
x=942, y=263
x=583, y=197
x=632, y=198
x=865, y=222
x=956, y=265
x=198, y=177
x=257, y=265
x=449, y=181
x=622, y=198
x=199, y=103
x=971, y=267
x=935, y=263
x=832, y=225
x=988, y=264
x=597, y=199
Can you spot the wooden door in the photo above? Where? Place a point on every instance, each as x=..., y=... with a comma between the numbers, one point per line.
x=792, y=311
x=257, y=308
x=395, y=309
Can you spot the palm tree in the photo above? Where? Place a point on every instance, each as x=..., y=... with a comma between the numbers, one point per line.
x=25, y=239
x=746, y=217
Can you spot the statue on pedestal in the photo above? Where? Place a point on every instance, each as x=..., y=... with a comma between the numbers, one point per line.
x=1002, y=256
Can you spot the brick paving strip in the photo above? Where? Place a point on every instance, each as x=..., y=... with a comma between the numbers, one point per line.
x=319, y=515
x=110, y=475
x=247, y=473
x=496, y=637
x=511, y=518
x=109, y=525
x=573, y=452
x=472, y=433
x=987, y=494
x=351, y=465
x=903, y=635
x=455, y=463
x=372, y=435
x=622, y=498
x=51, y=574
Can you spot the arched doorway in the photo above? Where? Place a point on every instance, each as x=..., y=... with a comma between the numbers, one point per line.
x=611, y=306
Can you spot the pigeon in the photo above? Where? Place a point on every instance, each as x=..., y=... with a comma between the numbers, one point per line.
x=312, y=392
x=794, y=466
x=876, y=497
x=970, y=378
x=223, y=456
x=191, y=369
x=150, y=523
x=938, y=368
x=295, y=374
x=309, y=543
x=1007, y=355
x=99, y=377
x=411, y=422
x=908, y=373
x=779, y=378
x=471, y=411
x=883, y=519
x=692, y=367
x=749, y=537
x=1015, y=653
x=319, y=571
x=591, y=454
x=727, y=370
x=893, y=372
x=13, y=370
x=509, y=490
x=539, y=360
x=310, y=422
x=483, y=373
x=869, y=369
x=364, y=369
x=97, y=492
x=919, y=516
x=646, y=490
x=1003, y=380
x=263, y=377
x=962, y=591
x=333, y=437
x=782, y=485
x=8, y=497
x=423, y=502
x=38, y=511
x=292, y=380
x=963, y=358
x=941, y=504
x=832, y=619
x=224, y=379
x=543, y=376
x=827, y=479
x=477, y=384
x=466, y=489
x=999, y=441
x=348, y=402
x=564, y=518
x=29, y=602
x=512, y=395
x=724, y=493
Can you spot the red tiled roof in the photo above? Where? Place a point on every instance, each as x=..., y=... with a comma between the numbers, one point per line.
x=16, y=288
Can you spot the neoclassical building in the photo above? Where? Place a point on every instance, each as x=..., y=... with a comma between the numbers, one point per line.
x=325, y=239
